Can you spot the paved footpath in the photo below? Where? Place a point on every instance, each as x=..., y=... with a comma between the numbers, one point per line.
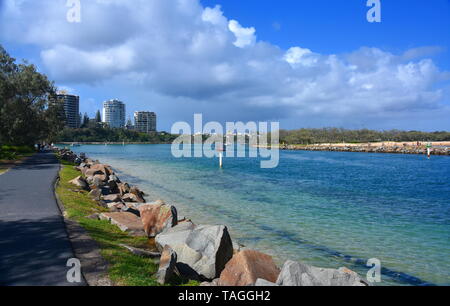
x=34, y=247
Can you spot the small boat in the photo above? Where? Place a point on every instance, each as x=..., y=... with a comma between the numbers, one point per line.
x=75, y=145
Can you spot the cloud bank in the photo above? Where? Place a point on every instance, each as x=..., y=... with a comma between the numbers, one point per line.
x=180, y=49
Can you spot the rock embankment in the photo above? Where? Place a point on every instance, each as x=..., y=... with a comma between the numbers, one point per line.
x=200, y=252
x=367, y=148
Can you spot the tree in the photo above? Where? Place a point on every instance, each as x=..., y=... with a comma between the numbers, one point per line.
x=98, y=117
x=25, y=117
x=85, y=121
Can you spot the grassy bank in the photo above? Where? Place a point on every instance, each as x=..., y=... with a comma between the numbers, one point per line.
x=125, y=269
x=12, y=155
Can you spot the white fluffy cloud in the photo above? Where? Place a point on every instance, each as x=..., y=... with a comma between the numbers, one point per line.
x=178, y=48
x=244, y=36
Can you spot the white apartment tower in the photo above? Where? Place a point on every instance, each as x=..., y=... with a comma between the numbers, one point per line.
x=114, y=113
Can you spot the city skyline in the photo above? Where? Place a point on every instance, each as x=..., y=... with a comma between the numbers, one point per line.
x=231, y=62
x=144, y=121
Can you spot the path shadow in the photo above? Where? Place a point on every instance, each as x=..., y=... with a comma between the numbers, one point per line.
x=34, y=252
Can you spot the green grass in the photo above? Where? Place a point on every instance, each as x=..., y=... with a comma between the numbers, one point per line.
x=125, y=269
x=11, y=155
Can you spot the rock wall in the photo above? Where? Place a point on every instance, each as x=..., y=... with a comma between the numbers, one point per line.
x=201, y=252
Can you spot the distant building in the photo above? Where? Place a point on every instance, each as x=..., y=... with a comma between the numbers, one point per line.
x=145, y=122
x=129, y=125
x=114, y=113
x=71, y=104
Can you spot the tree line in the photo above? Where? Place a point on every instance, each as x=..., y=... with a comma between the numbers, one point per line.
x=338, y=135
x=105, y=134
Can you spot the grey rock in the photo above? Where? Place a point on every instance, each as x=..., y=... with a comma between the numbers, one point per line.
x=205, y=253
x=214, y=283
x=300, y=274
x=95, y=194
x=264, y=283
x=174, y=236
x=167, y=265
x=95, y=216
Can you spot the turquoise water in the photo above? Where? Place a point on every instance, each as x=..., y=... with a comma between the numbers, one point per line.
x=328, y=209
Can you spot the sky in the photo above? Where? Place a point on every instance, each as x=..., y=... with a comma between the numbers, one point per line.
x=303, y=63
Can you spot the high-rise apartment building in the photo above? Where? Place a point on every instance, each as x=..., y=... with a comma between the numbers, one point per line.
x=71, y=104
x=114, y=113
x=145, y=122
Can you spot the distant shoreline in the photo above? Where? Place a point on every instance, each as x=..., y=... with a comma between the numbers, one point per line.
x=418, y=148
x=410, y=148
x=108, y=143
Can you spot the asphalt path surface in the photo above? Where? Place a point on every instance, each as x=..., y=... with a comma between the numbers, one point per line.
x=34, y=246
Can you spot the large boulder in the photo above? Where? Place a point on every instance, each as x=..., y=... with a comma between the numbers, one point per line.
x=300, y=274
x=104, y=169
x=96, y=181
x=91, y=172
x=157, y=218
x=80, y=182
x=246, y=267
x=205, y=251
x=175, y=236
x=127, y=222
x=167, y=265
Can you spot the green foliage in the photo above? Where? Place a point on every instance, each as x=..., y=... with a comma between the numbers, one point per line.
x=14, y=152
x=336, y=135
x=100, y=134
x=26, y=117
x=85, y=121
x=98, y=117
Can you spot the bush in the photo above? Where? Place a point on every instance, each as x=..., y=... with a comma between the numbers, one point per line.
x=14, y=152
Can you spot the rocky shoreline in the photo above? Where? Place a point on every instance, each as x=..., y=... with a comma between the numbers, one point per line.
x=367, y=148
x=205, y=253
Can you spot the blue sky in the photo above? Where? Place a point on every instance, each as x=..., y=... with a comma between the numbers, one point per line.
x=304, y=63
x=339, y=26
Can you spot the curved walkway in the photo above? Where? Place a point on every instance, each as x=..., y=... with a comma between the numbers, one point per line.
x=34, y=247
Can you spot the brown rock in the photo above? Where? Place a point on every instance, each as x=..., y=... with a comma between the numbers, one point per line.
x=112, y=198
x=101, y=177
x=246, y=267
x=138, y=193
x=157, y=218
x=115, y=207
x=92, y=172
x=80, y=182
x=104, y=169
x=127, y=222
x=129, y=197
x=124, y=188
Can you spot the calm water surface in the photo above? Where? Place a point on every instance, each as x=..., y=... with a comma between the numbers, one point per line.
x=328, y=209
